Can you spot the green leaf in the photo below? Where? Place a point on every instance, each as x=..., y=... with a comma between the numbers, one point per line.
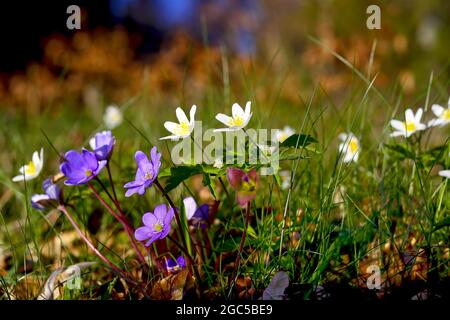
x=298, y=141
x=444, y=223
x=181, y=173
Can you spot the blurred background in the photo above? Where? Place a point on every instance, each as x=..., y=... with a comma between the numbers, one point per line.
x=181, y=47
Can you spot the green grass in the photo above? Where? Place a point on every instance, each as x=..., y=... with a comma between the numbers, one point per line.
x=335, y=220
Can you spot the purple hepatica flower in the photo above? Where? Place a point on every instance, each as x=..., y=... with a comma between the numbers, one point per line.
x=102, y=145
x=244, y=184
x=80, y=168
x=156, y=225
x=197, y=215
x=146, y=173
x=174, y=266
x=51, y=197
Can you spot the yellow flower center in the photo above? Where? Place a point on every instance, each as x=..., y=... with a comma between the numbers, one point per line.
x=158, y=227
x=30, y=168
x=446, y=115
x=249, y=186
x=410, y=126
x=236, y=122
x=88, y=173
x=183, y=129
x=354, y=145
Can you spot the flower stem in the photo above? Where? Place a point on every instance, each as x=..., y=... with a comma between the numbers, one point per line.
x=122, y=273
x=220, y=178
x=124, y=221
x=241, y=246
x=177, y=217
x=108, y=168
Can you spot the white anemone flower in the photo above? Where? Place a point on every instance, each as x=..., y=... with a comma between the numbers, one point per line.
x=411, y=124
x=238, y=120
x=184, y=128
x=282, y=135
x=113, y=117
x=442, y=115
x=445, y=173
x=32, y=169
x=350, y=147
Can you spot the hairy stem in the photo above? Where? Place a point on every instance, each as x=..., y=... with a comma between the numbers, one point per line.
x=116, y=269
x=124, y=221
x=241, y=246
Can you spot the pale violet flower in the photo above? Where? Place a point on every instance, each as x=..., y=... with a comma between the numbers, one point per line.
x=411, y=124
x=349, y=147
x=442, y=115
x=184, y=128
x=445, y=173
x=283, y=134
x=113, y=117
x=32, y=169
x=238, y=120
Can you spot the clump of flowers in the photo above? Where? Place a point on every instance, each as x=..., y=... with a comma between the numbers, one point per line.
x=80, y=168
x=147, y=172
x=32, y=169
x=156, y=225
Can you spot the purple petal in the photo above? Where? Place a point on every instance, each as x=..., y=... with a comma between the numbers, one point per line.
x=153, y=238
x=202, y=212
x=140, y=156
x=134, y=184
x=235, y=176
x=160, y=212
x=90, y=160
x=142, y=233
x=181, y=262
x=75, y=159
x=169, y=216
x=149, y=219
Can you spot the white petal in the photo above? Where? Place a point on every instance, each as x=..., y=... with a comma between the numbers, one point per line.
x=226, y=129
x=35, y=158
x=437, y=110
x=237, y=111
x=18, y=178
x=192, y=114
x=420, y=127
x=171, y=126
x=398, y=133
x=445, y=173
x=409, y=115
x=189, y=206
x=181, y=116
x=173, y=138
x=399, y=125
x=418, y=115
x=247, y=109
x=343, y=136
x=92, y=143
x=223, y=118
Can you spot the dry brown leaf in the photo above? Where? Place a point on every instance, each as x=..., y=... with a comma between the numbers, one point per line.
x=171, y=287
